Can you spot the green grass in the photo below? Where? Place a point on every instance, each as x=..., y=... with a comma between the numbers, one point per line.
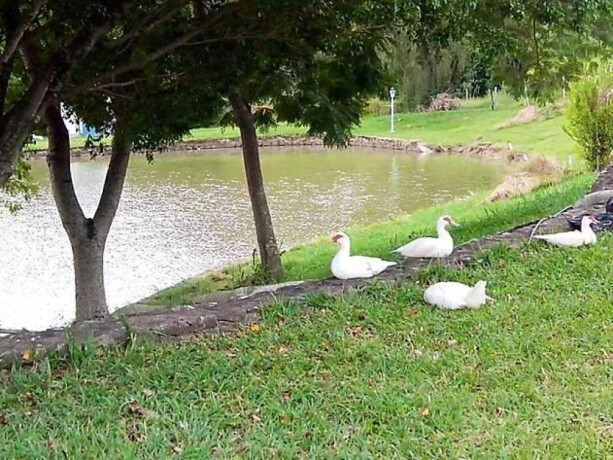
x=374, y=375
x=478, y=123
x=474, y=122
x=311, y=261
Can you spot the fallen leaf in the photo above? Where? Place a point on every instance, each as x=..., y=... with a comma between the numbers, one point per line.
x=282, y=350
x=240, y=334
x=133, y=408
x=53, y=444
x=135, y=432
x=255, y=328
x=287, y=396
x=27, y=355
x=425, y=412
x=414, y=313
x=177, y=449
x=357, y=330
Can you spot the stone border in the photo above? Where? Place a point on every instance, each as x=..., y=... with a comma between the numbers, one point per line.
x=231, y=314
x=480, y=150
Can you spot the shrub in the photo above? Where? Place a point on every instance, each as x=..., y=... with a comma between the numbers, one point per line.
x=589, y=117
x=442, y=102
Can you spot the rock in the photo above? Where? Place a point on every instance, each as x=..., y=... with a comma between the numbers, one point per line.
x=594, y=199
x=242, y=293
x=142, y=308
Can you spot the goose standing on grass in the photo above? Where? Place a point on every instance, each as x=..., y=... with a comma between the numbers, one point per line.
x=345, y=266
x=573, y=239
x=442, y=246
x=604, y=221
x=454, y=296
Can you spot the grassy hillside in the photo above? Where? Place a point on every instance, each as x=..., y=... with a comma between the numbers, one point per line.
x=476, y=122
x=374, y=375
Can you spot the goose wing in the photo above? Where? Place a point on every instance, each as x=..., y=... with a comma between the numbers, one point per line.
x=572, y=239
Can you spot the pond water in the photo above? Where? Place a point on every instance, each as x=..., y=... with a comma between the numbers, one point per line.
x=189, y=213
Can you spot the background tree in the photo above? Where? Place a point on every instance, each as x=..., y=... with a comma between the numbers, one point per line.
x=533, y=47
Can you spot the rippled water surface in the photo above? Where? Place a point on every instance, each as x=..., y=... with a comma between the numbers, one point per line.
x=186, y=214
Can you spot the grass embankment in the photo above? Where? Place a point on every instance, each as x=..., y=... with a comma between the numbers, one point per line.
x=312, y=261
x=374, y=375
x=474, y=122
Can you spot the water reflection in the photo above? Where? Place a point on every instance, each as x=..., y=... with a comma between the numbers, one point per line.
x=189, y=213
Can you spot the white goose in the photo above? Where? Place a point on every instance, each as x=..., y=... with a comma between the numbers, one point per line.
x=345, y=266
x=442, y=246
x=453, y=296
x=575, y=238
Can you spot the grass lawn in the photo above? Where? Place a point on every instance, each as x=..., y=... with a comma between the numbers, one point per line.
x=374, y=375
x=312, y=261
x=474, y=122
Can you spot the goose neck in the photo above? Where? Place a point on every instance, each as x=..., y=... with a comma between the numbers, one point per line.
x=344, y=249
x=586, y=227
x=442, y=232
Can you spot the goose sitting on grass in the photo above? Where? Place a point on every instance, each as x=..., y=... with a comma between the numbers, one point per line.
x=604, y=221
x=454, y=296
x=442, y=246
x=575, y=238
x=345, y=266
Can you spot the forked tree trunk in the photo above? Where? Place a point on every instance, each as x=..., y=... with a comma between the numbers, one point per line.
x=87, y=235
x=269, y=250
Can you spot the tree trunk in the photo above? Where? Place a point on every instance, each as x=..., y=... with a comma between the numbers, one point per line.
x=87, y=235
x=16, y=126
x=88, y=257
x=269, y=250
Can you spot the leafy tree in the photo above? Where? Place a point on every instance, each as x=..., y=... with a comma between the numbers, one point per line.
x=79, y=37
x=317, y=74
x=149, y=108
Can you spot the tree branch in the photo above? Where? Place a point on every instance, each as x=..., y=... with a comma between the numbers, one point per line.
x=115, y=177
x=149, y=23
x=12, y=42
x=163, y=50
x=58, y=159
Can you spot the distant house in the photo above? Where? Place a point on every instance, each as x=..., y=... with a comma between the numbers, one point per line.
x=76, y=127
x=87, y=130
x=72, y=125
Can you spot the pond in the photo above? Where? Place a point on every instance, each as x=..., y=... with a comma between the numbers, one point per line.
x=189, y=213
